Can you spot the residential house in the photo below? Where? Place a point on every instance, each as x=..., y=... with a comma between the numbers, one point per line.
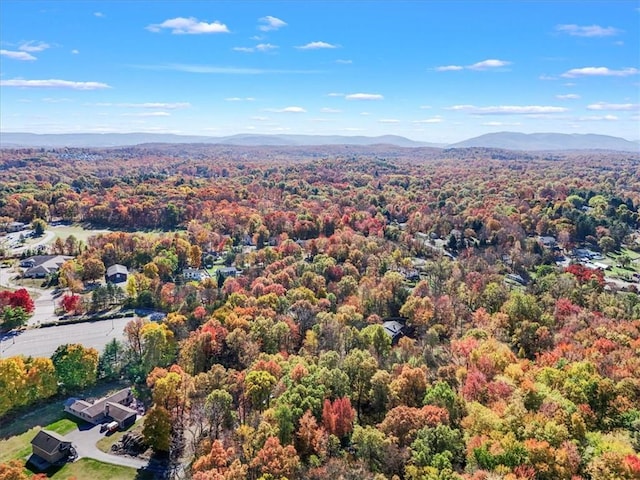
x=117, y=274
x=547, y=241
x=40, y=266
x=50, y=447
x=395, y=329
x=229, y=272
x=194, y=274
x=13, y=227
x=114, y=407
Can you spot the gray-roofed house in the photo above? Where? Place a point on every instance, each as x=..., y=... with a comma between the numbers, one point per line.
x=113, y=407
x=117, y=273
x=50, y=447
x=229, y=272
x=40, y=266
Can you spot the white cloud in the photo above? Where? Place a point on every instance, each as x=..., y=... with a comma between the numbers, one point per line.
x=547, y=77
x=614, y=106
x=599, y=72
x=436, y=119
x=34, y=46
x=270, y=23
x=508, y=109
x=344, y=62
x=147, y=114
x=23, y=56
x=261, y=119
x=75, y=51
x=388, y=120
x=487, y=64
x=587, y=30
x=98, y=14
x=597, y=118
x=330, y=110
x=287, y=110
x=483, y=65
x=501, y=124
x=54, y=83
x=449, y=68
x=425, y=107
x=265, y=47
x=56, y=100
x=364, y=96
x=365, y=114
x=261, y=47
x=239, y=99
x=162, y=105
x=214, y=69
x=190, y=26
x=568, y=96
x=316, y=46
x=334, y=94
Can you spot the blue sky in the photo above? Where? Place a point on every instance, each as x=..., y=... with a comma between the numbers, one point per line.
x=428, y=70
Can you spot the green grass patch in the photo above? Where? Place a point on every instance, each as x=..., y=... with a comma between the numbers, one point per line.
x=81, y=233
x=95, y=470
x=17, y=447
x=63, y=426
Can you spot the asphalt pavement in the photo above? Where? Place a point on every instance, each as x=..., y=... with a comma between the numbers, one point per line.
x=42, y=342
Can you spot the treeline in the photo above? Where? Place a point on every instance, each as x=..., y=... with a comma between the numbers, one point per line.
x=288, y=371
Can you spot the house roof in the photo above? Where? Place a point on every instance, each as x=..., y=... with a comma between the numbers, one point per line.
x=45, y=264
x=48, y=441
x=98, y=407
x=393, y=327
x=120, y=412
x=117, y=268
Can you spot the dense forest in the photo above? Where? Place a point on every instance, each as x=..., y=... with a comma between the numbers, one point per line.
x=513, y=358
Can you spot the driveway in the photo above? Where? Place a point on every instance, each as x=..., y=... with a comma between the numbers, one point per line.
x=84, y=441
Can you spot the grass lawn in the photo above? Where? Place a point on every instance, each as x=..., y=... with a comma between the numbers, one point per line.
x=95, y=470
x=18, y=447
x=63, y=426
x=81, y=233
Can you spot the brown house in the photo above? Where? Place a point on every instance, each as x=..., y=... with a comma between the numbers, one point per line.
x=50, y=447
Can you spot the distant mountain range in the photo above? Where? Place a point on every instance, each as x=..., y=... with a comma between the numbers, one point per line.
x=502, y=140
x=549, y=141
x=12, y=140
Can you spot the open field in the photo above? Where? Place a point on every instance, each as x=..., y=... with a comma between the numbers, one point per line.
x=81, y=233
x=17, y=447
x=95, y=470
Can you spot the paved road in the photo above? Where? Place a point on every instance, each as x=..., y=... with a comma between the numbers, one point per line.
x=42, y=342
x=85, y=441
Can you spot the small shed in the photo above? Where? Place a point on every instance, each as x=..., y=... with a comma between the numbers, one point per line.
x=117, y=273
x=50, y=446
